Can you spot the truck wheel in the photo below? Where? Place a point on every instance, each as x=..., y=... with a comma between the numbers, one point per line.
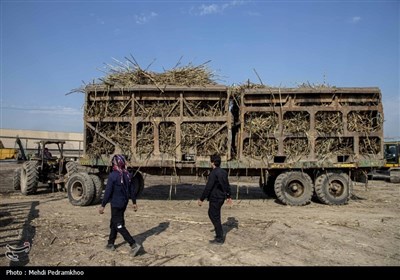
x=17, y=179
x=98, y=185
x=268, y=188
x=138, y=182
x=80, y=189
x=294, y=188
x=333, y=188
x=29, y=177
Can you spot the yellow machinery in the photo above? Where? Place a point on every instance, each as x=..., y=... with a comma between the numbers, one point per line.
x=390, y=171
x=7, y=153
x=392, y=156
x=13, y=153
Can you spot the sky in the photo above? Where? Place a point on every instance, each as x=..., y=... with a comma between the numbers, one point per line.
x=49, y=48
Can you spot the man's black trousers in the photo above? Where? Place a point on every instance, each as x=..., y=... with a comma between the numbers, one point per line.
x=214, y=213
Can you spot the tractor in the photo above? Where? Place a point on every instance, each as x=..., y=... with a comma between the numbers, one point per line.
x=44, y=168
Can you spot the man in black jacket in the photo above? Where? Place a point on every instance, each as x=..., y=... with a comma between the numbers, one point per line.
x=118, y=191
x=216, y=191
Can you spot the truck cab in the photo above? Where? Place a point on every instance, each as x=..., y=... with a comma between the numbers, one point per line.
x=392, y=153
x=390, y=171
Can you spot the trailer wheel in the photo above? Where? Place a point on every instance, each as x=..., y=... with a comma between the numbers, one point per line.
x=80, y=189
x=98, y=185
x=294, y=188
x=17, y=179
x=333, y=188
x=29, y=177
x=138, y=182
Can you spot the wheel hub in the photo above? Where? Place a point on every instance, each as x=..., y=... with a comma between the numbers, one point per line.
x=77, y=191
x=336, y=189
x=296, y=189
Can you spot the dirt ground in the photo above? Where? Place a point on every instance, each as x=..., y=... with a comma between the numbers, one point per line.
x=175, y=231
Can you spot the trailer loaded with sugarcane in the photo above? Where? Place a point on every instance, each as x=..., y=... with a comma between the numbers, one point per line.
x=301, y=142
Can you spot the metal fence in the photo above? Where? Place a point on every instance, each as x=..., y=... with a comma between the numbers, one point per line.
x=72, y=148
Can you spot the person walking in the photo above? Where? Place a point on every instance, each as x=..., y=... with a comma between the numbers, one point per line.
x=118, y=191
x=217, y=190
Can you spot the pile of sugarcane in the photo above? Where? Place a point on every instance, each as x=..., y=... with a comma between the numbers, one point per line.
x=102, y=109
x=145, y=138
x=329, y=146
x=296, y=147
x=97, y=145
x=237, y=90
x=204, y=108
x=260, y=124
x=296, y=122
x=260, y=147
x=369, y=145
x=167, y=138
x=203, y=138
x=314, y=85
x=119, y=133
x=207, y=138
x=130, y=74
x=364, y=121
x=328, y=122
x=195, y=136
x=156, y=108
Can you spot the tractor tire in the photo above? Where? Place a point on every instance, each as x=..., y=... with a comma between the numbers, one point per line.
x=72, y=167
x=80, y=189
x=99, y=186
x=17, y=179
x=333, y=188
x=138, y=182
x=29, y=177
x=294, y=188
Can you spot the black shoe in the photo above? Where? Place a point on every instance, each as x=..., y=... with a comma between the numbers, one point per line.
x=110, y=247
x=217, y=241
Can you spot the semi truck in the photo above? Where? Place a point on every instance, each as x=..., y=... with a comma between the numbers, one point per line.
x=304, y=142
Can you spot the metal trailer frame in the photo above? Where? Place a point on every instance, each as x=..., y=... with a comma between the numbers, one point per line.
x=284, y=174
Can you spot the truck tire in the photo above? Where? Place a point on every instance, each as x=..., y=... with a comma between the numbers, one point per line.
x=294, y=188
x=99, y=186
x=138, y=182
x=17, y=179
x=80, y=189
x=333, y=188
x=29, y=177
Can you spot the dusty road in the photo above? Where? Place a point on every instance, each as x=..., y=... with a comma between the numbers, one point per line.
x=175, y=232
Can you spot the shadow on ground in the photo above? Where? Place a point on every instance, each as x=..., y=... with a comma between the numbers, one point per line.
x=17, y=232
x=193, y=192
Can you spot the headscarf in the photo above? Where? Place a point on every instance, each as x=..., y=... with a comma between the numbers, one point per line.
x=119, y=164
